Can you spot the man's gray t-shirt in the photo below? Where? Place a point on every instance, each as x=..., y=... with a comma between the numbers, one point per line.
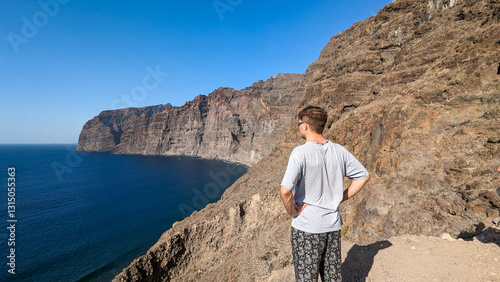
x=316, y=171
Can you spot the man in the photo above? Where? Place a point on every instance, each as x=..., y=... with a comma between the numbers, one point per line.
x=316, y=172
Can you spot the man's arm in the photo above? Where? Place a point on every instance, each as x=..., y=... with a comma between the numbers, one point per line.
x=354, y=188
x=292, y=208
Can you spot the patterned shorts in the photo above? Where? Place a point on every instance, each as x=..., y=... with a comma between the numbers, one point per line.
x=315, y=254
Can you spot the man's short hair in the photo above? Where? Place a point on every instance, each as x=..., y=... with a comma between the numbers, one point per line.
x=315, y=116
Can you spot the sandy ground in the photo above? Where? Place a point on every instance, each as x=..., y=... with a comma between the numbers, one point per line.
x=415, y=258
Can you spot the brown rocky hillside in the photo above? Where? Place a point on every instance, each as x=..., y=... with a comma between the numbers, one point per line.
x=414, y=93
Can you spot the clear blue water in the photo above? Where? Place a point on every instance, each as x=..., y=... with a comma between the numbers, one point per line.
x=86, y=216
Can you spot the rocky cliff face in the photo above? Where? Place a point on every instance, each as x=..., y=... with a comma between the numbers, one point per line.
x=414, y=93
x=103, y=132
x=238, y=126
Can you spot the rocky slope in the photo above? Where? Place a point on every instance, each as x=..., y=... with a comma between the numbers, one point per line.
x=239, y=126
x=414, y=93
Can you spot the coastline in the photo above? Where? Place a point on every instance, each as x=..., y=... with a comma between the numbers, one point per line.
x=102, y=200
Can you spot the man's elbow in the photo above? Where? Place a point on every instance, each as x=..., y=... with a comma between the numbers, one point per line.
x=285, y=191
x=367, y=178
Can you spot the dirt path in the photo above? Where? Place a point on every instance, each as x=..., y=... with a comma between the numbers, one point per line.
x=415, y=258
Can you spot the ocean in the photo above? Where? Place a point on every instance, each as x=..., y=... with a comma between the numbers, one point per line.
x=76, y=216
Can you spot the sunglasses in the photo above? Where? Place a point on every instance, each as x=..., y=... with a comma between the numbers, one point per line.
x=301, y=122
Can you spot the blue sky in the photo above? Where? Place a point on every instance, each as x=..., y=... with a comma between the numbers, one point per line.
x=64, y=61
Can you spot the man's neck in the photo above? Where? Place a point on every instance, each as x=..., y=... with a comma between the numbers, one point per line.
x=318, y=138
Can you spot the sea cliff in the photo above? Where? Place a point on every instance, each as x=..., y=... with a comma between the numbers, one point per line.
x=414, y=93
x=238, y=126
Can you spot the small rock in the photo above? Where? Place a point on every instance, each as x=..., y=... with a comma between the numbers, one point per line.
x=447, y=236
x=496, y=221
x=481, y=237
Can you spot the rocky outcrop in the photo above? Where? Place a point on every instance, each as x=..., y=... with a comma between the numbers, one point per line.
x=239, y=126
x=414, y=93
x=103, y=132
